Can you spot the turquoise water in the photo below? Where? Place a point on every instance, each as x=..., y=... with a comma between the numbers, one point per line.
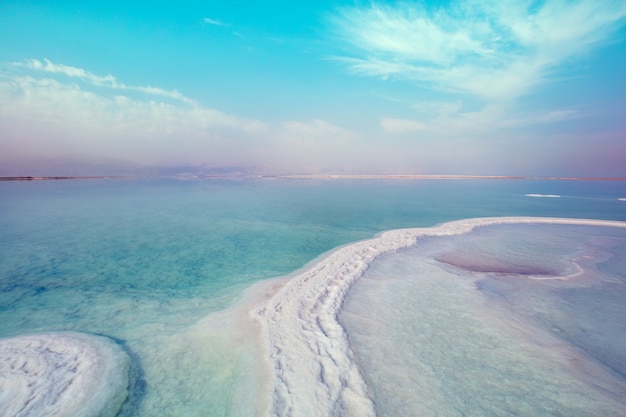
x=144, y=261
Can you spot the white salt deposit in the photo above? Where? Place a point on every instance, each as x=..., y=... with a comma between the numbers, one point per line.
x=543, y=195
x=310, y=360
x=63, y=374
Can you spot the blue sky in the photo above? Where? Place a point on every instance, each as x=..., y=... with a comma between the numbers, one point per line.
x=441, y=87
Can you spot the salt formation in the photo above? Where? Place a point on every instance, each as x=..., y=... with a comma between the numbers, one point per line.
x=312, y=366
x=62, y=374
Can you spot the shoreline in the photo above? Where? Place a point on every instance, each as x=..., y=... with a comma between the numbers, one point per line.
x=308, y=358
x=53, y=178
x=443, y=177
x=315, y=177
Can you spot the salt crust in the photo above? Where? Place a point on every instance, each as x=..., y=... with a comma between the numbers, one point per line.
x=62, y=374
x=311, y=364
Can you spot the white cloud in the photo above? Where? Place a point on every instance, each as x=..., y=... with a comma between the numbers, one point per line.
x=438, y=108
x=559, y=116
x=64, y=118
x=446, y=120
x=395, y=126
x=312, y=146
x=44, y=117
x=495, y=49
x=214, y=22
x=298, y=131
x=107, y=81
x=549, y=117
x=48, y=66
x=474, y=59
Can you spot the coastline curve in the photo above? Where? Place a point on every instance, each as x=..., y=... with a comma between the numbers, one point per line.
x=311, y=363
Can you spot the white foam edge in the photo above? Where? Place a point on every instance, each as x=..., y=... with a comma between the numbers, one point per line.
x=311, y=367
x=62, y=374
x=543, y=195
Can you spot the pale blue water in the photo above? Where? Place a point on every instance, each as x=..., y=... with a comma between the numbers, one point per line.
x=487, y=330
x=141, y=261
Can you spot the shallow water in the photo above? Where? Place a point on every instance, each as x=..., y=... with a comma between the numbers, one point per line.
x=145, y=261
x=485, y=327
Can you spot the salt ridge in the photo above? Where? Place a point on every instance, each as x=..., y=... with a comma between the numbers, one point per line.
x=62, y=374
x=311, y=364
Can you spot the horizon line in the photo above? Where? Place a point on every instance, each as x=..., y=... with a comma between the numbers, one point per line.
x=316, y=176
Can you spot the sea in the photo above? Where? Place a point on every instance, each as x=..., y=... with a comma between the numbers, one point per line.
x=214, y=288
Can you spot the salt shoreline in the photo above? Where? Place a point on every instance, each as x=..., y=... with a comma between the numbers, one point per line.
x=310, y=366
x=62, y=374
x=298, y=359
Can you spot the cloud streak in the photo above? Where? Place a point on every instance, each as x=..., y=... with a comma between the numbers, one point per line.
x=214, y=22
x=496, y=50
x=395, y=126
x=107, y=81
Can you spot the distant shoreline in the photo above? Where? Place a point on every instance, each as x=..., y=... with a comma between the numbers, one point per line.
x=87, y=177
x=445, y=177
x=318, y=177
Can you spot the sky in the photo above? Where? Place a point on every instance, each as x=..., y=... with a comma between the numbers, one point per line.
x=474, y=87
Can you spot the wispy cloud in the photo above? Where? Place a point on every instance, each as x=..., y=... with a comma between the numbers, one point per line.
x=393, y=125
x=107, y=81
x=493, y=49
x=447, y=119
x=45, y=116
x=214, y=22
